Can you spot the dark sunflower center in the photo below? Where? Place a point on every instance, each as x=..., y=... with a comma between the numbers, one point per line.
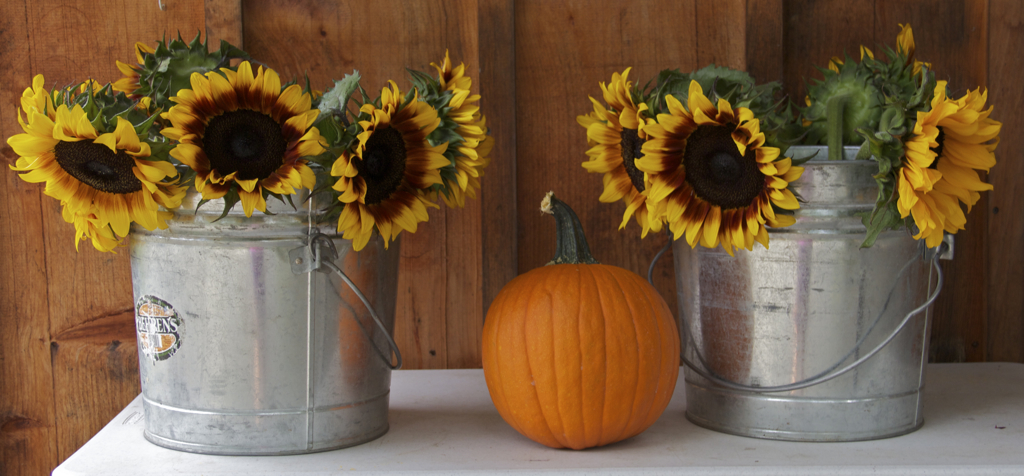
x=244, y=141
x=631, y=145
x=717, y=172
x=98, y=166
x=940, y=139
x=383, y=164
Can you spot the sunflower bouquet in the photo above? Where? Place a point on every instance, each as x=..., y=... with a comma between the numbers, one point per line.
x=226, y=126
x=698, y=153
x=705, y=153
x=928, y=146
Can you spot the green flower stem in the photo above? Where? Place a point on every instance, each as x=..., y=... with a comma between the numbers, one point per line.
x=834, y=122
x=570, y=243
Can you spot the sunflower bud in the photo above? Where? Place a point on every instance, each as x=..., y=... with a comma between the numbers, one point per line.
x=161, y=72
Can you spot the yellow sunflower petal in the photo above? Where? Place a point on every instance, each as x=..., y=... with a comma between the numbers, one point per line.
x=698, y=102
x=251, y=201
x=784, y=199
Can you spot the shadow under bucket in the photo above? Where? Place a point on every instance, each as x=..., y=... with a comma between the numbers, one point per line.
x=248, y=345
x=815, y=339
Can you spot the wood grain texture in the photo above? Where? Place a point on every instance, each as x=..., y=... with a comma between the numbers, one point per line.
x=87, y=285
x=953, y=36
x=326, y=40
x=817, y=30
x=57, y=289
x=722, y=33
x=223, y=22
x=464, y=318
x=463, y=311
x=1005, y=258
x=498, y=194
x=66, y=364
x=765, y=40
x=563, y=50
x=28, y=429
x=102, y=357
x=93, y=352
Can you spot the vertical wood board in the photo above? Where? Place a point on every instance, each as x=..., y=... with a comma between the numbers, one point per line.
x=224, y=22
x=498, y=194
x=327, y=40
x=86, y=286
x=722, y=33
x=1005, y=256
x=765, y=40
x=464, y=319
x=563, y=50
x=96, y=373
x=952, y=35
x=817, y=30
x=28, y=431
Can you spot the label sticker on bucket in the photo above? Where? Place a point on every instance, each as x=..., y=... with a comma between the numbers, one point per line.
x=159, y=327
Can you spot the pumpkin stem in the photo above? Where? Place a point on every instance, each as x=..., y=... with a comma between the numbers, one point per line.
x=570, y=243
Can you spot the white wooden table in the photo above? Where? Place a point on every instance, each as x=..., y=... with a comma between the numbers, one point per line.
x=443, y=422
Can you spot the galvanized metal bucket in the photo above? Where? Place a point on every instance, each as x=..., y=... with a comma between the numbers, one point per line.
x=816, y=339
x=247, y=346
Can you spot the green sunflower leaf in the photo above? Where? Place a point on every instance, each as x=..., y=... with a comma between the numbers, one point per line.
x=886, y=217
x=230, y=199
x=442, y=135
x=186, y=176
x=336, y=99
x=864, y=153
x=423, y=81
x=728, y=77
x=407, y=99
x=229, y=51
x=202, y=202
x=330, y=129
x=161, y=151
x=366, y=97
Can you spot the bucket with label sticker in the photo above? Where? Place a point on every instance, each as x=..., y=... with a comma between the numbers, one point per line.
x=261, y=335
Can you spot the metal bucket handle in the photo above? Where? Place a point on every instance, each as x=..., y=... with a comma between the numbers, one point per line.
x=831, y=372
x=313, y=249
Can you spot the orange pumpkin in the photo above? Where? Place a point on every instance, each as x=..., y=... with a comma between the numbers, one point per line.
x=578, y=354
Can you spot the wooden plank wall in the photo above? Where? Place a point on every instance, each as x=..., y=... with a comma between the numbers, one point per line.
x=441, y=265
x=67, y=358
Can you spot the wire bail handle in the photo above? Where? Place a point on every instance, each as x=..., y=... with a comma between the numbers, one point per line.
x=943, y=251
x=319, y=253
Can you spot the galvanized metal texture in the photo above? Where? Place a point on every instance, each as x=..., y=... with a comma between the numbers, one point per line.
x=316, y=250
x=813, y=302
x=260, y=361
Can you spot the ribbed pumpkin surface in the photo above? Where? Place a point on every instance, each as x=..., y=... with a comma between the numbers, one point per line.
x=580, y=355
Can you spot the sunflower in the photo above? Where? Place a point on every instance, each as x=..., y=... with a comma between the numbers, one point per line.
x=244, y=135
x=712, y=173
x=130, y=82
x=949, y=143
x=451, y=77
x=836, y=62
x=615, y=135
x=103, y=176
x=383, y=177
x=905, y=45
x=92, y=228
x=471, y=154
x=37, y=98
